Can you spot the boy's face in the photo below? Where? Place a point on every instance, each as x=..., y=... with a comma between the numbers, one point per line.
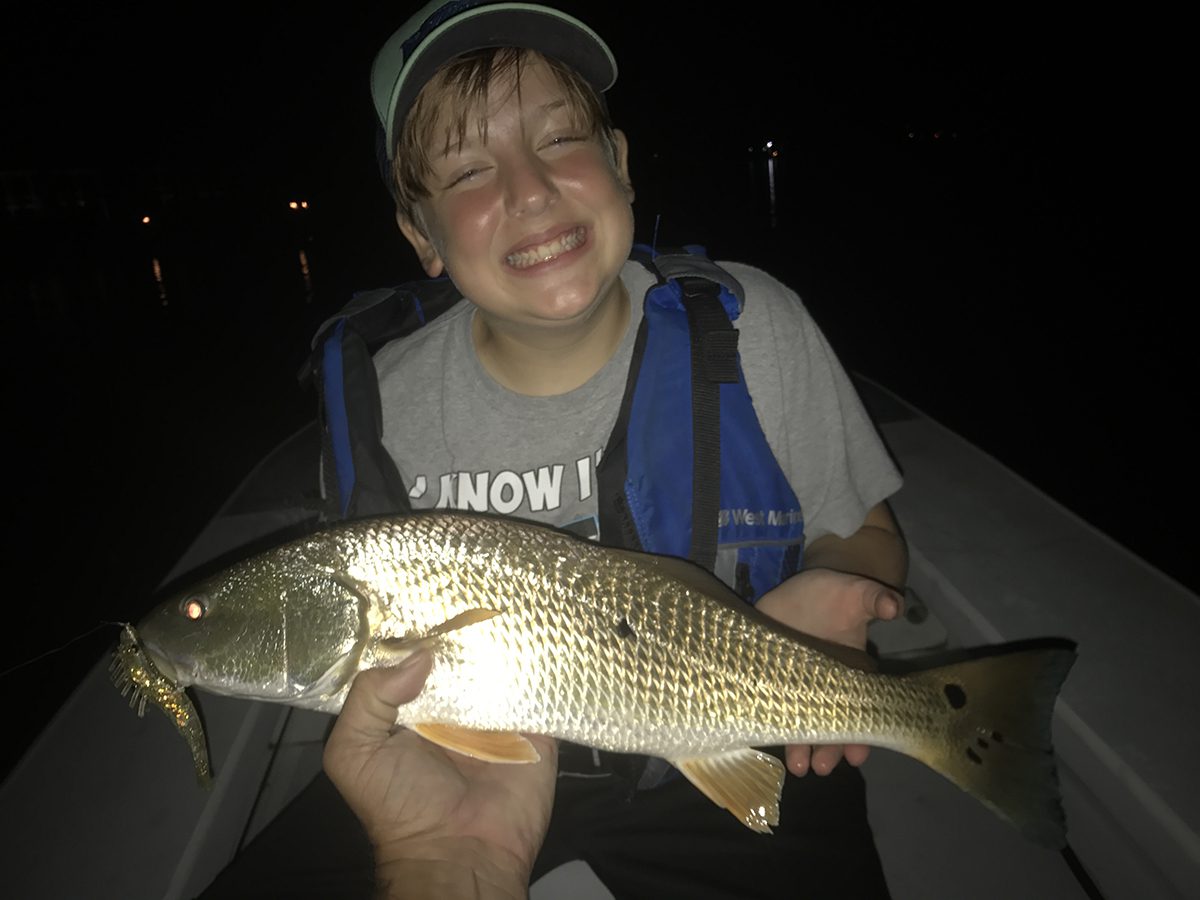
x=534, y=225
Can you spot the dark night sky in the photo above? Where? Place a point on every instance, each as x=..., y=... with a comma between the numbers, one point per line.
x=1018, y=282
x=1059, y=105
x=144, y=83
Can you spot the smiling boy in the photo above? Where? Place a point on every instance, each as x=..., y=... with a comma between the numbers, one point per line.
x=509, y=179
x=528, y=210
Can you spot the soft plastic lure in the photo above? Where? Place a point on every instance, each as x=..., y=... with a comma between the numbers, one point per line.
x=136, y=676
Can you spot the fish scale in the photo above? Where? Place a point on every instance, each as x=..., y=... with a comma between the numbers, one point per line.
x=535, y=630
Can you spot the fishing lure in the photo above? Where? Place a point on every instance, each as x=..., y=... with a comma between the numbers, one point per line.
x=136, y=676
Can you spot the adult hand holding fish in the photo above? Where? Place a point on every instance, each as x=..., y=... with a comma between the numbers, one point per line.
x=441, y=823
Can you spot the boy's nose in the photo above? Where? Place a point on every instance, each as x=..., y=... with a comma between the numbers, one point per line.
x=530, y=189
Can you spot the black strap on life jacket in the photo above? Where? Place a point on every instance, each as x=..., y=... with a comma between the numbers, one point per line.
x=359, y=477
x=714, y=362
x=617, y=528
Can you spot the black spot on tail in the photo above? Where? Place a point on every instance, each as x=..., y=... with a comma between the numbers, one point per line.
x=624, y=629
x=955, y=695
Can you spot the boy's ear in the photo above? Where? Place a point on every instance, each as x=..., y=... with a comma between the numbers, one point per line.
x=621, y=145
x=431, y=260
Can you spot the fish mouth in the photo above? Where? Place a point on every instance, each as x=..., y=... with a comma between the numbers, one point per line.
x=164, y=665
x=178, y=666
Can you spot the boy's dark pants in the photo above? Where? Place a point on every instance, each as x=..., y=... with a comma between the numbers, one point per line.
x=663, y=843
x=673, y=841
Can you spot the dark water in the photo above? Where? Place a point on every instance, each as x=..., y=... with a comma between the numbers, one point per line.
x=148, y=367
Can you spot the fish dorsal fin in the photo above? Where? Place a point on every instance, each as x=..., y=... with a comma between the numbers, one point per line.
x=490, y=746
x=700, y=579
x=747, y=782
x=688, y=573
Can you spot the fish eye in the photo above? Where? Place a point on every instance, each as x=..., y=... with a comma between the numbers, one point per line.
x=193, y=608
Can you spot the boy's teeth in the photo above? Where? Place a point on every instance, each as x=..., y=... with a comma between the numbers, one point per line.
x=547, y=251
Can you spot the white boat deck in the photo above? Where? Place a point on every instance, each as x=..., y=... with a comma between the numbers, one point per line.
x=994, y=559
x=104, y=804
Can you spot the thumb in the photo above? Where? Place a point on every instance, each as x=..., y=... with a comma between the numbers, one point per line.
x=877, y=601
x=369, y=713
x=400, y=684
x=882, y=602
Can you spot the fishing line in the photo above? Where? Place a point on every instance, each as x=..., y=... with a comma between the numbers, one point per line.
x=275, y=745
x=1081, y=874
x=61, y=647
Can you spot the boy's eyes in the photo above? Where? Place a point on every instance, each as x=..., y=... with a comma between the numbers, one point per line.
x=465, y=175
x=471, y=172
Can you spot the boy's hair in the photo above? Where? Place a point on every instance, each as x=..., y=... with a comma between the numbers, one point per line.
x=462, y=84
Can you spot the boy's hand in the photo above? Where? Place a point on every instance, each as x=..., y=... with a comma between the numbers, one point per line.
x=434, y=816
x=837, y=607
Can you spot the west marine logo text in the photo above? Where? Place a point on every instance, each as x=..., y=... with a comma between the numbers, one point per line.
x=752, y=517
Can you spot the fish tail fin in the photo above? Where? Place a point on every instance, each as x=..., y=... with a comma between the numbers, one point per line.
x=998, y=744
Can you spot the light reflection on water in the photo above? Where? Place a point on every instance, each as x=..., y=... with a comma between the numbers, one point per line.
x=52, y=279
x=158, y=279
x=305, y=274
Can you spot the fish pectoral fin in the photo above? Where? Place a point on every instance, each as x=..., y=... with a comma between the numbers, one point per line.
x=489, y=746
x=462, y=620
x=394, y=650
x=747, y=782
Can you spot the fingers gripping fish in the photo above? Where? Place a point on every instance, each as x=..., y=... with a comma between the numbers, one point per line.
x=536, y=631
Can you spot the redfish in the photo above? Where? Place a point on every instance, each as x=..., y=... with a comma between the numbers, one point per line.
x=534, y=630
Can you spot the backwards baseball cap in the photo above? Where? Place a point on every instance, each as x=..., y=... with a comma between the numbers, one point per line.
x=443, y=30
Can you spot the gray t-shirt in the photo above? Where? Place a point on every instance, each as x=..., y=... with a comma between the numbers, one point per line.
x=463, y=441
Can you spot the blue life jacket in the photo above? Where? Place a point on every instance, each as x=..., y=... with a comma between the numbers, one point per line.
x=687, y=446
